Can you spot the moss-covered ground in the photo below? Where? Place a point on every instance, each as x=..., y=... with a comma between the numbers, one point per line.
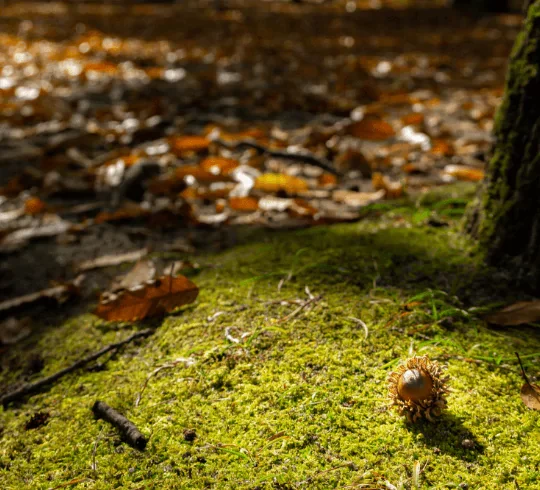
x=301, y=400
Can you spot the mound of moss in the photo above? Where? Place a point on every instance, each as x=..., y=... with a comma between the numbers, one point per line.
x=276, y=377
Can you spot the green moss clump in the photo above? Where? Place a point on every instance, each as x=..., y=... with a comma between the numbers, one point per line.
x=297, y=403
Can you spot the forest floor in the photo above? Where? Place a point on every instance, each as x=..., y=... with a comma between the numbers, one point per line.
x=312, y=287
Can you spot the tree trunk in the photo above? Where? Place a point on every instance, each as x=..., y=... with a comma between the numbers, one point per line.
x=506, y=216
x=492, y=6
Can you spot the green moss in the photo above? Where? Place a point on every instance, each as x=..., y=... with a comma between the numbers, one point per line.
x=300, y=403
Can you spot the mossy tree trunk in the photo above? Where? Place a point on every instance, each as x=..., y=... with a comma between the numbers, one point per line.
x=506, y=218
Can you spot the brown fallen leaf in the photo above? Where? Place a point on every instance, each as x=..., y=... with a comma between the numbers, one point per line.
x=159, y=297
x=461, y=172
x=371, y=129
x=392, y=190
x=59, y=293
x=34, y=206
x=280, y=182
x=128, y=213
x=516, y=314
x=246, y=204
x=219, y=165
x=180, y=145
x=110, y=260
x=530, y=393
x=357, y=199
x=141, y=273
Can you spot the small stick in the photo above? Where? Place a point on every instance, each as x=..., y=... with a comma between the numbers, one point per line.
x=524, y=374
x=37, y=386
x=127, y=428
x=304, y=157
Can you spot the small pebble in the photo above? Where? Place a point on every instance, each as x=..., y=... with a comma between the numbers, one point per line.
x=467, y=444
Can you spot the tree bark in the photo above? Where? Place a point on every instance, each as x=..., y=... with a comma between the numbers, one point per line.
x=506, y=215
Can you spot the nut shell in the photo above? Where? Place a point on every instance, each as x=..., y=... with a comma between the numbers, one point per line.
x=418, y=388
x=415, y=384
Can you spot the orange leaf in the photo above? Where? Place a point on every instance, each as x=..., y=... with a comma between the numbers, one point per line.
x=180, y=145
x=441, y=147
x=413, y=119
x=219, y=165
x=327, y=180
x=34, y=205
x=371, y=129
x=102, y=67
x=392, y=190
x=159, y=297
x=120, y=215
x=280, y=182
x=462, y=172
x=243, y=203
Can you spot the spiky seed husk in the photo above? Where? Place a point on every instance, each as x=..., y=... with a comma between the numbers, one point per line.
x=418, y=388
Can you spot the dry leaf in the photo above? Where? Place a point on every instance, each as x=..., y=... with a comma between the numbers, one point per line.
x=280, y=182
x=247, y=203
x=34, y=205
x=110, y=260
x=159, y=297
x=127, y=213
x=180, y=145
x=371, y=129
x=414, y=118
x=461, y=172
x=353, y=160
x=516, y=314
x=141, y=273
x=530, y=394
x=357, y=199
x=441, y=147
x=327, y=180
x=392, y=190
x=219, y=165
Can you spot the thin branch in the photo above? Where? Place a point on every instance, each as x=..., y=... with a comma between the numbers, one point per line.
x=38, y=386
x=304, y=157
x=129, y=431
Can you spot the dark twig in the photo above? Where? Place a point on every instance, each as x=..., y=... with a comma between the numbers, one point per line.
x=523, y=373
x=131, y=434
x=304, y=157
x=37, y=386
